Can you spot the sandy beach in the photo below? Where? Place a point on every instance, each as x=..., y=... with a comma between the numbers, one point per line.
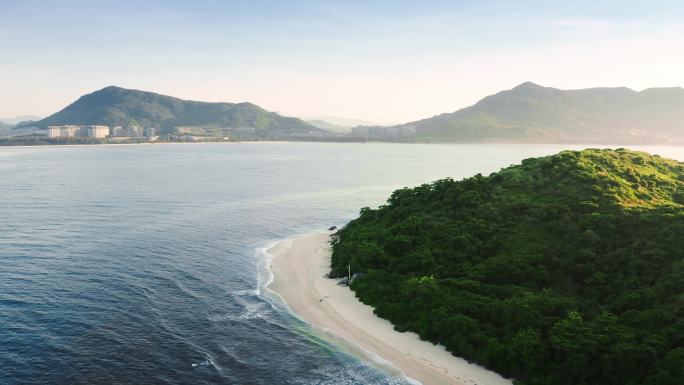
x=299, y=267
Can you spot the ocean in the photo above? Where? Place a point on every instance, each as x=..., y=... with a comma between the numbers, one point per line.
x=143, y=264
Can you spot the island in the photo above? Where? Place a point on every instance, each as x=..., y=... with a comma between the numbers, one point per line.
x=562, y=270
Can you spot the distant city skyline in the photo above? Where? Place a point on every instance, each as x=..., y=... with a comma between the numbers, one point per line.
x=378, y=61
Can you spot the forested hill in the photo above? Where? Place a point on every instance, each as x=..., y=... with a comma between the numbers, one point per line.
x=530, y=113
x=563, y=270
x=115, y=106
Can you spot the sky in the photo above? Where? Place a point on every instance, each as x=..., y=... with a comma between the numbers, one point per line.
x=382, y=61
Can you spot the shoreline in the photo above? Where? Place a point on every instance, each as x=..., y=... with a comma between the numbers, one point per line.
x=572, y=145
x=297, y=269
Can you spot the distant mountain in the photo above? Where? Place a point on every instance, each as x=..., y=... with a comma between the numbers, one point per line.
x=340, y=125
x=532, y=113
x=19, y=119
x=5, y=128
x=323, y=125
x=342, y=122
x=115, y=106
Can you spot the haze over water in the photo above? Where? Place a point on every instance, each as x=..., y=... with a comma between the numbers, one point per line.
x=140, y=264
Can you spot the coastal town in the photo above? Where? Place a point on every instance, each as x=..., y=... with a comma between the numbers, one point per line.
x=97, y=134
x=118, y=134
x=191, y=133
x=383, y=132
x=101, y=132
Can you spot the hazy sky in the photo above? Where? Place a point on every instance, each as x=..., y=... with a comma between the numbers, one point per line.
x=385, y=61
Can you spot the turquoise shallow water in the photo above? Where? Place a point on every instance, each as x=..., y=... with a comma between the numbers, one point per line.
x=139, y=264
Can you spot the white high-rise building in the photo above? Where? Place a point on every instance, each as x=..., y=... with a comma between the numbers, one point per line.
x=71, y=131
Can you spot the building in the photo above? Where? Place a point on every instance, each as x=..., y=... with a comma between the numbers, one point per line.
x=131, y=132
x=72, y=131
x=63, y=131
x=118, y=131
x=134, y=132
x=219, y=133
x=384, y=132
x=149, y=133
x=97, y=131
x=187, y=130
x=407, y=131
x=360, y=132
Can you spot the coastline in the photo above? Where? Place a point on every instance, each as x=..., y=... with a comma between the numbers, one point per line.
x=298, y=267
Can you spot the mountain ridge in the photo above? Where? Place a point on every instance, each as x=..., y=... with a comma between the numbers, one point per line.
x=19, y=119
x=533, y=113
x=117, y=106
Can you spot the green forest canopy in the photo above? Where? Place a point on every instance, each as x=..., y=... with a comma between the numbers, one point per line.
x=566, y=269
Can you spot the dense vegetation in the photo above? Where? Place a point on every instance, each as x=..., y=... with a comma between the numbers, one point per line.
x=567, y=269
x=115, y=106
x=5, y=128
x=532, y=113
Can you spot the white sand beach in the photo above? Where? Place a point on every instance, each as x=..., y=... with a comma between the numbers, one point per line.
x=299, y=267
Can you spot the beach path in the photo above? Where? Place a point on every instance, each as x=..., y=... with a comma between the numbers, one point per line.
x=299, y=267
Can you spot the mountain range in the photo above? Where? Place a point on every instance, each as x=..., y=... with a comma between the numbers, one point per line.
x=18, y=119
x=338, y=124
x=116, y=106
x=528, y=113
x=533, y=113
x=325, y=125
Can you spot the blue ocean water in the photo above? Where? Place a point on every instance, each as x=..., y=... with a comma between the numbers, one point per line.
x=140, y=264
